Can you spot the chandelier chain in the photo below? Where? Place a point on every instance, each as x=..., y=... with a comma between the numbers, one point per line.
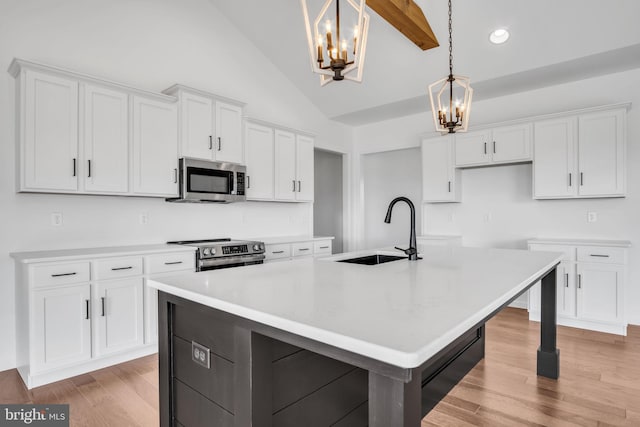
x=450, y=43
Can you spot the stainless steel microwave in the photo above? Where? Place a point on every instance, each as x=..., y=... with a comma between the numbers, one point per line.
x=206, y=181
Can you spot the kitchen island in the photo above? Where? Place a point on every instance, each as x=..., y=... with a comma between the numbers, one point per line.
x=321, y=342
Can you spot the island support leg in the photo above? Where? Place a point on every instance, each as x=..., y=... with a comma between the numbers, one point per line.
x=548, y=354
x=393, y=402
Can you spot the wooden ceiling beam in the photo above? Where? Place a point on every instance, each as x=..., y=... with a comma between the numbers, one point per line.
x=408, y=18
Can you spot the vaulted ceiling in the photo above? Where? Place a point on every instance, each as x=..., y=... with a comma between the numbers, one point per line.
x=551, y=42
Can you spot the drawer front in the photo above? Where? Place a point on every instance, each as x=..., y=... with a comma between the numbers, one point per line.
x=113, y=268
x=175, y=261
x=601, y=254
x=60, y=273
x=215, y=383
x=322, y=247
x=569, y=252
x=302, y=249
x=277, y=251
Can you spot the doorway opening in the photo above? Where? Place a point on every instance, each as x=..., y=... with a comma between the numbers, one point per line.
x=328, y=209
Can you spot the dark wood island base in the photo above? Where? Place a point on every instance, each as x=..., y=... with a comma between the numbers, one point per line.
x=219, y=369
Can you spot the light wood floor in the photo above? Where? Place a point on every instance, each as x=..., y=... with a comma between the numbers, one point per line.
x=599, y=384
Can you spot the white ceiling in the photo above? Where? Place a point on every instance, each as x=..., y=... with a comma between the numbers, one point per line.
x=551, y=42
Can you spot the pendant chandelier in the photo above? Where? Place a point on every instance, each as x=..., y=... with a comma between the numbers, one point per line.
x=451, y=98
x=338, y=58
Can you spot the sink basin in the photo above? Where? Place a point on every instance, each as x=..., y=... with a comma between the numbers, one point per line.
x=372, y=259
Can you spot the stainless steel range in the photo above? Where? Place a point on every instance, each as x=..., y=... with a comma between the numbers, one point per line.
x=214, y=254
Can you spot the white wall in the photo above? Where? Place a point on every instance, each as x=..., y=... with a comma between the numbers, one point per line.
x=150, y=44
x=504, y=192
x=384, y=181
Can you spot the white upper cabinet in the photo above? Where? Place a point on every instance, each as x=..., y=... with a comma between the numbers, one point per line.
x=285, y=165
x=155, y=147
x=105, y=140
x=554, y=158
x=440, y=180
x=49, y=130
x=196, y=126
x=601, y=153
x=210, y=127
x=472, y=148
x=229, y=132
x=84, y=135
x=260, y=161
x=280, y=163
x=581, y=156
x=506, y=144
x=511, y=143
x=304, y=168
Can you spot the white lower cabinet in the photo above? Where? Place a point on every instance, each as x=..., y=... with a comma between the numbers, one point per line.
x=118, y=314
x=88, y=313
x=61, y=326
x=590, y=283
x=600, y=290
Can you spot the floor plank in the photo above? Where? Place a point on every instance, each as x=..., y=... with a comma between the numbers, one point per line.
x=599, y=384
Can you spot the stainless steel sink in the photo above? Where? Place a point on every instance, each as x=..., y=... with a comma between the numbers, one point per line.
x=372, y=259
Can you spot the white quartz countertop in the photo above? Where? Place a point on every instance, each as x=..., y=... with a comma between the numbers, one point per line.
x=581, y=242
x=84, y=253
x=290, y=239
x=399, y=312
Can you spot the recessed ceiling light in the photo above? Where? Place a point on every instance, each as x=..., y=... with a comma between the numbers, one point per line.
x=499, y=36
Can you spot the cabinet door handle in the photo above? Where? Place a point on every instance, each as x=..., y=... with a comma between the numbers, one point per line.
x=581, y=179
x=102, y=303
x=599, y=255
x=449, y=186
x=88, y=168
x=569, y=179
x=210, y=142
x=294, y=185
x=86, y=302
x=173, y=263
x=579, y=281
x=74, y=167
x=122, y=268
x=485, y=148
x=219, y=143
x=175, y=175
x=248, y=181
x=494, y=147
x=64, y=274
x=299, y=186
x=277, y=252
x=566, y=280
x=324, y=247
x=303, y=249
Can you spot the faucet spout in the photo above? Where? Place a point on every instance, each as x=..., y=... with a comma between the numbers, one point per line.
x=412, y=251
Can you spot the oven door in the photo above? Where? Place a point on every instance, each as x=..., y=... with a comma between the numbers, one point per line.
x=229, y=261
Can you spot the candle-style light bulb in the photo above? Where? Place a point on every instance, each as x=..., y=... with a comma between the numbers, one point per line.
x=344, y=50
x=320, y=58
x=327, y=26
x=355, y=38
x=334, y=53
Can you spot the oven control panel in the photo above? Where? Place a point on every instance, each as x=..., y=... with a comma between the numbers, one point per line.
x=236, y=249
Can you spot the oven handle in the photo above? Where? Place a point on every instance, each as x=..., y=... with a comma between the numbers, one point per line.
x=213, y=262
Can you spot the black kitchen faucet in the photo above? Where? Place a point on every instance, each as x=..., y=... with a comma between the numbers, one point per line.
x=412, y=251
